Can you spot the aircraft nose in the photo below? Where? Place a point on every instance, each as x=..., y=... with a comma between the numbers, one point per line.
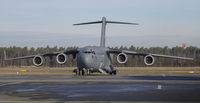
x=85, y=60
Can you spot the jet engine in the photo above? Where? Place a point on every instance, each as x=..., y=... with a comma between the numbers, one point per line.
x=149, y=60
x=122, y=58
x=61, y=58
x=38, y=60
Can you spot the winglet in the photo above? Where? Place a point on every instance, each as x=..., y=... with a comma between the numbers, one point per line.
x=5, y=58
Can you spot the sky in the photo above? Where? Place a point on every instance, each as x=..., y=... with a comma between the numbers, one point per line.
x=38, y=23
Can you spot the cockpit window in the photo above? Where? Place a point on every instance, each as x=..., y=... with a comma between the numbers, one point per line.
x=88, y=52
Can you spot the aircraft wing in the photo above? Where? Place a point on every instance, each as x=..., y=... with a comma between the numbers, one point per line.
x=117, y=51
x=72, y=51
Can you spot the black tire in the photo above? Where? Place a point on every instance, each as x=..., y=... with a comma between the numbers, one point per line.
x=79, y=72
x=83, y=72
x=114, y=72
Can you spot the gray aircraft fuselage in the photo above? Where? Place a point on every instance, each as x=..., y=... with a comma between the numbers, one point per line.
x=94, y=58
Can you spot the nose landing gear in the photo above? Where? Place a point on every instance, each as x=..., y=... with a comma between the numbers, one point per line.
x=81, y=72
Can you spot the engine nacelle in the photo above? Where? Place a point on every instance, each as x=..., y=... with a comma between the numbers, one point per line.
x=149, y=60
x=61, y=58
x=38, y=60
x=122, y=58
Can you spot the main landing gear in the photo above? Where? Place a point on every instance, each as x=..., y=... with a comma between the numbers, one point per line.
x=114, y=72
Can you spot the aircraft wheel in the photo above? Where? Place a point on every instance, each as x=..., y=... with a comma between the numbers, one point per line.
x=114, y=72
x=79, y=72
x=83, y=72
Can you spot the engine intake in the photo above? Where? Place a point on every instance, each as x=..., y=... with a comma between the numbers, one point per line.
x=149, y=60
x=38, y=60
x=61, y=58
x=122, y=58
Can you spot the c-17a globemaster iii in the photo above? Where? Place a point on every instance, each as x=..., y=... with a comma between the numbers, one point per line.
x=95, y=58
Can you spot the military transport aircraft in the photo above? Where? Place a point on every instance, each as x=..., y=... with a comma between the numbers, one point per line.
x=95, y=58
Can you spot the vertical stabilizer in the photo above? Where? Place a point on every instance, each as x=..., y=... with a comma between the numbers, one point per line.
x=5, y=58
x=103, y=28
x=103, y=32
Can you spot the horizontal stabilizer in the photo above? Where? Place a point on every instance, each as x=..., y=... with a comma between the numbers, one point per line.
x=116, y=22
x=95, y=22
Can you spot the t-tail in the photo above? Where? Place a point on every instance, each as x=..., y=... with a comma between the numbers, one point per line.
x=103, y=29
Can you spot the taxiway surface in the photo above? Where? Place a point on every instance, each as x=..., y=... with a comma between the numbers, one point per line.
x=124, y=88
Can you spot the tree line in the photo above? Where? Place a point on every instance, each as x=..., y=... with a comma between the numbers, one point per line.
x=137, y=61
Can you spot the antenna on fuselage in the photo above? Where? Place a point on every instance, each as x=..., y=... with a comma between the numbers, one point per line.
x=103, y=29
